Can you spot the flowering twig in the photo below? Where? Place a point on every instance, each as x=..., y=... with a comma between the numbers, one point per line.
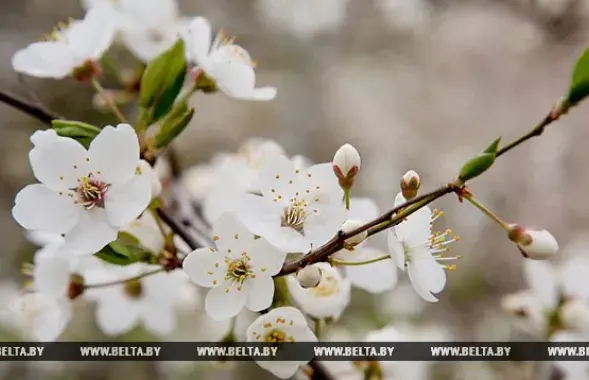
x=397, y=214
x=120, y=282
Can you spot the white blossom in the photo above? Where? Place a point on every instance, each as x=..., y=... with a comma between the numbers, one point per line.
x=42, y=316
x=236, y=175
x=238, y=270
x=88, y=195
x=149, y=300
x=419, y=250
x=71, y=50
x=146, y=27
x=328, y=299
x=304, y=18
x=298, y=208
x=228, y=64
x=281, y=325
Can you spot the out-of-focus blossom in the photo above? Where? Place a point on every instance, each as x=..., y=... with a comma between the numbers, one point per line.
x=227, y=64
x=149, y=300
x=304, y=18
x=72, y=49
x=147, y=27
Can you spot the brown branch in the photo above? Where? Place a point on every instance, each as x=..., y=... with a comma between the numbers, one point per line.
x=37, y=111
x=319, y=371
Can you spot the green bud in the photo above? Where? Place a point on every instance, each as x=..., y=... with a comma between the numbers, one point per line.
x=579, y=87
x=493, y=147
x=161, y=83
x=476, y=166
x=82, y=132
x=173, y=126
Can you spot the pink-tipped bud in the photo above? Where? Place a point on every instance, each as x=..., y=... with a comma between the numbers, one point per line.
x=346, y=164
x=410, y=183
x=309, y=276
x=532, y=243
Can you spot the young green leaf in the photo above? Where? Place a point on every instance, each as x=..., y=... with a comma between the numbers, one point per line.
x=172, y=128
x=579, y=88
x=476, y=166
x=82, y=132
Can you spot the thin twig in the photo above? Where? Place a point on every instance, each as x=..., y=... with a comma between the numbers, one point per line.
x=37, y=111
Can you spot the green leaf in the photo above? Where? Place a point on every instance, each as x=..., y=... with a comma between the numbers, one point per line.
x=579, y=88
x=476, y=166
x=493, y=147
x=172, y=127
x=111, y=256
x=124, y=251
x=161, y=83
x=82, y=132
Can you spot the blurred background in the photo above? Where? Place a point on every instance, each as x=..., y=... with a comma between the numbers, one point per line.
x=413, y=84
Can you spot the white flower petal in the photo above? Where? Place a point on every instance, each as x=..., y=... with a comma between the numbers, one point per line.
x=93, y=36
x=205, y=267
x=376, y=277
x=117, y=314
x=52, y=276
x=115, y=152
x=158, y=318
x=263, y=93
x=91, y=233
x=426, y=275
x=363, y=209
x=53, y=320
x=198, y=38
x=396, y=249
x=57, y=162
x=125, y=202
x=416, y=229
x=264, y=255
x=39, y=208
x=221, y=304
x=45, y=60
x=235, y=79
x=260, y=215
x=542, y=280
x=323, y=225
x=278, y=174
x=324, y=183
x=231, y=235
x=261, y=293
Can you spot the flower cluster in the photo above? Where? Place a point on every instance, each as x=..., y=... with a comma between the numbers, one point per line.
x=273, y=239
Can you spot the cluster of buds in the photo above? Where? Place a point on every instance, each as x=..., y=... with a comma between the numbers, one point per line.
x=346, y=164
x=532, y=243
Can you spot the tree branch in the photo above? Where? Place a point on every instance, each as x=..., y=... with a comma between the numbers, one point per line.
x=37, y=111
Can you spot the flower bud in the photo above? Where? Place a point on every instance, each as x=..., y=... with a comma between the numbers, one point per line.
x=533, y=244
x=575, y=315
x=309, y=276
x=346, y=164
x=353, y=241
x=410, y=184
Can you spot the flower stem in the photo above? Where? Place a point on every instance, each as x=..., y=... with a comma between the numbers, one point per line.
x=347, y=197
x=317, y=327
x=120, y=282
x=160, y=225
x=335, y=261
x=486, y=211
x=109, y=100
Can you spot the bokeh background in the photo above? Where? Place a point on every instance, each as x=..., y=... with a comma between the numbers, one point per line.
x=413, y=84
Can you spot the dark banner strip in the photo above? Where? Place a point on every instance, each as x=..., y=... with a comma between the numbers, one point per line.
x=355, y=351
